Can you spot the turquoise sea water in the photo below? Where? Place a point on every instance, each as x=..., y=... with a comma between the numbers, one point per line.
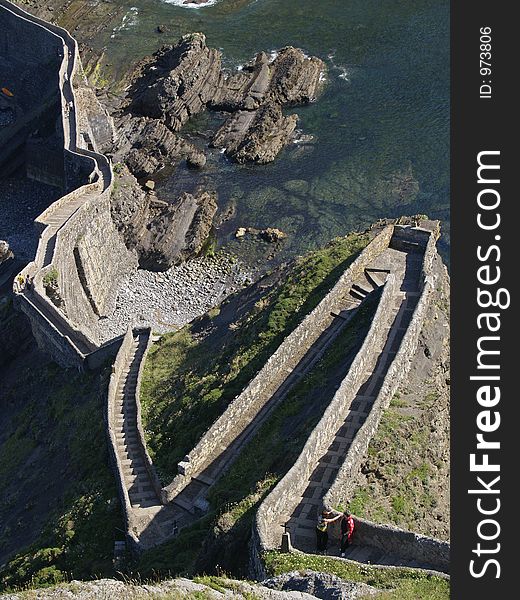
x=382, y=119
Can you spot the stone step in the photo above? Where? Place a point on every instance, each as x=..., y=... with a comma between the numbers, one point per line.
x=363, y=291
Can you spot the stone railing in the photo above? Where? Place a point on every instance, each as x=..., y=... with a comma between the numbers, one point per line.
x=433, y=553
x=404, y=544
x=244, y=408
x=295, y=480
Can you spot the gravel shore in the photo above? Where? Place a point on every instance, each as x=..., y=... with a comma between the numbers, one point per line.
x=168, y=300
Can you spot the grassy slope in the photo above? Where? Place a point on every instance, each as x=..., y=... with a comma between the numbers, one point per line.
x=396, y=584
x=56, y=489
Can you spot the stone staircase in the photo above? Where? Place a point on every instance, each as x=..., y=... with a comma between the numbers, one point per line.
x=150, y=523
x=302, y=521
x=136, y=475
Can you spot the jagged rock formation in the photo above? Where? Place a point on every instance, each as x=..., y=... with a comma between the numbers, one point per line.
x=259, y=130
x=290, y=79
x=180, y=81
x=179, y=231
x=168, y=88
x=177, y=81
x=163, y=234
x=256, y=136
x=321, y=585
x=147, y=146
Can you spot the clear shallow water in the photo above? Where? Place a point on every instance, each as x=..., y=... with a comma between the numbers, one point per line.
x=384, y=115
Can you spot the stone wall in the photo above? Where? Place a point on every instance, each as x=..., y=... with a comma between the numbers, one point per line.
x=243, y=409
x=406, y=544
x=293, y=484
x=90, y=258
x=85, y=248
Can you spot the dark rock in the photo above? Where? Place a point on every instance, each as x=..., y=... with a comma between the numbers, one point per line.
x=162, y=28
x=196, y=160
x=147, y=145
x=177, y=232
x=177, y=81
x=256, y=136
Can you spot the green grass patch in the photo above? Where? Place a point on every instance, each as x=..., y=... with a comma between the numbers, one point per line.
x=396, y=584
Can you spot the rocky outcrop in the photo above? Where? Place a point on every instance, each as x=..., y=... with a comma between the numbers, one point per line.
x=259, y=130
x=320, y=585
x=147, y=146
x=177, y=231
x=164, y=91
x=289, y=79
x=162, y=233
x=177, y=81
x=180, y=81
x=174, y=588
x=256, y=136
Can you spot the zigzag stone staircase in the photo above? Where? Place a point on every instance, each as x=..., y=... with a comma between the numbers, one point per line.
x=302, y=523
x=193, y=496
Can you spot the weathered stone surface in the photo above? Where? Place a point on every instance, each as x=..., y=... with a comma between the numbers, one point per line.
x=256, y=136
x=291, y=78
x=259, y=130
x=147, y=145
x=177, y=81
x=178, y=231
x=163, y=234
x=320, y=585
x=173, y=588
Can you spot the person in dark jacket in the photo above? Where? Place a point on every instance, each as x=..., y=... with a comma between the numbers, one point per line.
x=322, y=536
x=347, y=530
